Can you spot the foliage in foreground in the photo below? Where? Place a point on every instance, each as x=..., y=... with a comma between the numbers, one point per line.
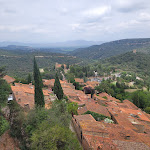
x=44, y=129
x=4, y=91
x=4, y=125
x=141, y=99
x=147, y=110
x=72, y=108
x=54, y=137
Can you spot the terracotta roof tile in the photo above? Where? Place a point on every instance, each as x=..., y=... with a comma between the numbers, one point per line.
x=8, y=79
x=24, y=94
x=79, y=80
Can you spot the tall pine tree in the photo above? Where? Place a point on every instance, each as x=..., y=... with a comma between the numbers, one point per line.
x=57, y=88
x=38, y=96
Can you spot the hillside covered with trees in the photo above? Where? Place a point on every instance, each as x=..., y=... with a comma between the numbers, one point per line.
x=19, y=63
x=113, y=48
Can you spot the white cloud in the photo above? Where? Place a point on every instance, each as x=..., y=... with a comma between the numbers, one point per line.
x=127, y=6
x=144, y=16
x=15, y=28
x=97, y=12
x=128, y=24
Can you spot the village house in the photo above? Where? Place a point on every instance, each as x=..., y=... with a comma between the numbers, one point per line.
x=76, y=96
x=97, y=135
x=92, y=83
x=130, y=127
x=59, y=66
x=69, y=90
x=93, y=106
x=9, y=79
x=24, y=95
x=48, y=83
x=79, y=80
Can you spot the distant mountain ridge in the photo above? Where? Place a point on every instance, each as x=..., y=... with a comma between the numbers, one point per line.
x=113, y=48
x=31, y=49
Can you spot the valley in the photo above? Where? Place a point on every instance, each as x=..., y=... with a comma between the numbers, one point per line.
x=97, y=97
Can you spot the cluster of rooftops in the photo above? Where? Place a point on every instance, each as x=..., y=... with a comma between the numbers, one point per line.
x=130, y=126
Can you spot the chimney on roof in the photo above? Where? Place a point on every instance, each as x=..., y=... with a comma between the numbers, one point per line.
x=116, y=114
x=127, y=137
x=99, y=147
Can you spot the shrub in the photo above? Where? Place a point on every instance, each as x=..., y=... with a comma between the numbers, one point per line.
x=4, y=125
x=147, y=110
x=97, y=117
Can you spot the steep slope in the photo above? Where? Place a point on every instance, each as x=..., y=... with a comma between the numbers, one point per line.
x=112, y=48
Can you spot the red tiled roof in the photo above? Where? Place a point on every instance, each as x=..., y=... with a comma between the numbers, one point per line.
x=138, y=112
x=59, y=65
x=24, y=94
x=8, y=79
x=110, y=98
x=130, y=104
x=79, y=80
x=109, y=135
x=93, y=83
x=49, y=82
x=94, y=107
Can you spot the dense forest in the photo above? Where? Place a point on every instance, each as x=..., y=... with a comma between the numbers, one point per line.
x=136, y=62
x=19, y=63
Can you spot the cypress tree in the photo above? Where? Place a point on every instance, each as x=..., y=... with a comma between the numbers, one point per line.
x=29, y=80
x=57, y=88
x=38, y=96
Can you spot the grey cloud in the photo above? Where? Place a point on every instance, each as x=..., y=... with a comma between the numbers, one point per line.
x=59, y=20
x=127, y=6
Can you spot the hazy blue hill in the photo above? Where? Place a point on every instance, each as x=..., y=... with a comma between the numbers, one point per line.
x=62, y=45
x=112, y=48
x=29, y=48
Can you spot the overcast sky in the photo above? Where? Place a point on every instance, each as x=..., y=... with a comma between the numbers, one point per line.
x=63, y=20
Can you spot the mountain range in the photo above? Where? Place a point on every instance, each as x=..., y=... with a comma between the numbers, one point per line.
x=67, y=44
x=113, y=48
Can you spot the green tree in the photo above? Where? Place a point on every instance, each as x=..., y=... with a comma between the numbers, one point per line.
x=147, y=110
x=2, y=69
x=4, y=125
x=29, y=79
x=38, y=97
x=72, y=108
x=139, y=99
x=67, y=67
x=62, y=66
x=54, y=137
x=57, y=88
x=4, y=91
x=77, y=85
